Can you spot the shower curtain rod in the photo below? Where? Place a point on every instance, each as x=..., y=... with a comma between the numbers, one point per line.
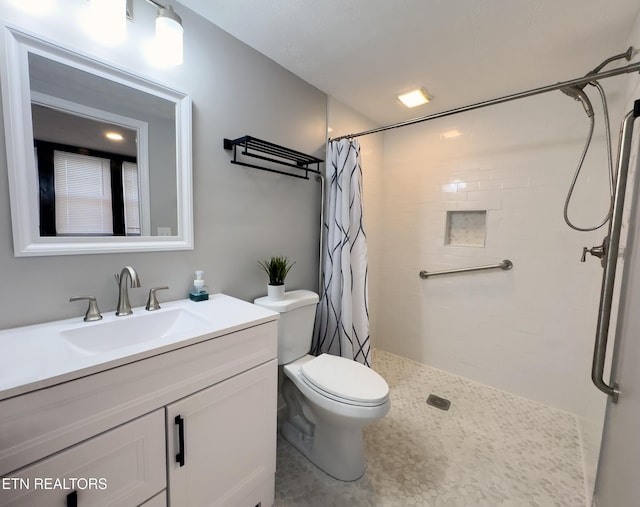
x=535, y=91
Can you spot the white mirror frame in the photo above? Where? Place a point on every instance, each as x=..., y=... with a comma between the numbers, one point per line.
x=23, y=181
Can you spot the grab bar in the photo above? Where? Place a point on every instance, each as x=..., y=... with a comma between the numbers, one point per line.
x=609, y=275
x=505, y=264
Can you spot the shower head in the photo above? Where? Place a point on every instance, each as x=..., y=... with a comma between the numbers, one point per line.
x=576, y=91
x=578, y=94
x=627, y=55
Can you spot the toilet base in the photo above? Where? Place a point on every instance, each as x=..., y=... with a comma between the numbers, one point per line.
x=338, y=452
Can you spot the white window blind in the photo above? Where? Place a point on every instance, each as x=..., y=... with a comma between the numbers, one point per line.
x=83, y=194
x=131, y=198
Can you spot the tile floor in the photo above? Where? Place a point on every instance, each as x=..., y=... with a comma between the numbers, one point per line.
x=490, y=449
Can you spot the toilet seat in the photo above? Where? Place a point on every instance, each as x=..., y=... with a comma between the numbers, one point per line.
x=345, y=381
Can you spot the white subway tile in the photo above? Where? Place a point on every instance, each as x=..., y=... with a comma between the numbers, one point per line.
x=489, y=184
x=515, y=182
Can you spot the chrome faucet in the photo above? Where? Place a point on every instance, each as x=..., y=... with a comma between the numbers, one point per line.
x=124, y=307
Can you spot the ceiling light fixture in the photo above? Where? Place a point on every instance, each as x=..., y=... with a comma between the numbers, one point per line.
x=114, y=136
x=169, y=35
x=167, y=49
x=414, y=98
x=451, y=134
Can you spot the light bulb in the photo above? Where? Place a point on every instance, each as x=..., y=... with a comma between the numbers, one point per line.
x=35, y=7
x=108, y=21
x=169, y=36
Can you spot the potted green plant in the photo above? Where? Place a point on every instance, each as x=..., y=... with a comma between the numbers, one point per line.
x=277, y=269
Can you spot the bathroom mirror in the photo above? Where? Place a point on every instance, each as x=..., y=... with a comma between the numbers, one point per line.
x=99, y=159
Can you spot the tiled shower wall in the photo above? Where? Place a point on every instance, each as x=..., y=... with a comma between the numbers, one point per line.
x=530, y=330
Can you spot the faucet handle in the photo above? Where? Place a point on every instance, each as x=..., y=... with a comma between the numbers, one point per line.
x=585, y=250
x=152, y=302
x=93, y=312
x=599, y=251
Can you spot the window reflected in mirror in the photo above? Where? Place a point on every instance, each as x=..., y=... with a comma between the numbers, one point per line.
x=84, y=192
x=89, y=184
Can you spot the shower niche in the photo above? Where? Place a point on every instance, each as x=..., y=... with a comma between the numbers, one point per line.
x=466, y=228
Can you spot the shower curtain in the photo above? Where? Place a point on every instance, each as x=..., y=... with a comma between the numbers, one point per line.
x=342, y=317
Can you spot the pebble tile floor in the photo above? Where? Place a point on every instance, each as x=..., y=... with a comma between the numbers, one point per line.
x=490, y=449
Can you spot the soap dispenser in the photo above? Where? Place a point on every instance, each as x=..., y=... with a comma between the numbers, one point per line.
x=200, y=291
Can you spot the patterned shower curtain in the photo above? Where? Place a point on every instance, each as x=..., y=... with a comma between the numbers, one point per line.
x=342, y=317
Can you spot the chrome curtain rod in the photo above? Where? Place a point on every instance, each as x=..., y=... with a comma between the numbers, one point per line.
x=505, y=264
x=535, y=91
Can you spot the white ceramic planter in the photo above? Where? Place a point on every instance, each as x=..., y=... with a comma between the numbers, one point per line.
x=275, y=292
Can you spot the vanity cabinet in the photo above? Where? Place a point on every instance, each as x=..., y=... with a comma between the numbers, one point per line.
x=121, y=425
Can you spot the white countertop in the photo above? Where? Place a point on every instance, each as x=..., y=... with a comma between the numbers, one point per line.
x=39, y=356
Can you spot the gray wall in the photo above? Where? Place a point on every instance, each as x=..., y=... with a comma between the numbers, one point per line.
x=240, y=214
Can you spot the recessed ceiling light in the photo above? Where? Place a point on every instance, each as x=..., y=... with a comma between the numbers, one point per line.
x=414, y=98
x=114, y=136
x=451, y=134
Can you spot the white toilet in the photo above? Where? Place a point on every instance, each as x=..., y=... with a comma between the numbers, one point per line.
x=329, y=398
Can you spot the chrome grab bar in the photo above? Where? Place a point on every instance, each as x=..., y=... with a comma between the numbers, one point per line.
x=505, y=264
x=609, y=274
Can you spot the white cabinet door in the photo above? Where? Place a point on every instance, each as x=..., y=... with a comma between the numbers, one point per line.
x=228, y=435
x=123, y=467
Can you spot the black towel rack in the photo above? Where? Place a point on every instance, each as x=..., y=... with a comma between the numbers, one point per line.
x=275, y=154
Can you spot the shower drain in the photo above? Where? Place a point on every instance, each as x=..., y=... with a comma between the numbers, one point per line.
x=438, y=402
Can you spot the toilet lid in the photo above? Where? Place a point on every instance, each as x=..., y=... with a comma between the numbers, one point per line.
x=346, y=379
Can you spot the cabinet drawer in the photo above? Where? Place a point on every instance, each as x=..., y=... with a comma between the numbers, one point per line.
x=122, y=467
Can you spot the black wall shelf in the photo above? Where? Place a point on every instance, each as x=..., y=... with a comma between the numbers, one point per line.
x=299, y=164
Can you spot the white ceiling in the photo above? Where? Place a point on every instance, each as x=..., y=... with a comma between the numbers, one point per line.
x=365, y=52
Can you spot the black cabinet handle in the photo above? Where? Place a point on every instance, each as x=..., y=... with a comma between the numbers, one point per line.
x=72, y=499
x=180, y=456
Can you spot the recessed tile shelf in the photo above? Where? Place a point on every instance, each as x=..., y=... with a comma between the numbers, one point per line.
x=466, y=228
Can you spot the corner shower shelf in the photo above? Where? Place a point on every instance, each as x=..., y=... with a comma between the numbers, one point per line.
x=275, y=154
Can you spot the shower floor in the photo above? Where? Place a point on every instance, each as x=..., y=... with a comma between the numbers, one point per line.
x=489, y=449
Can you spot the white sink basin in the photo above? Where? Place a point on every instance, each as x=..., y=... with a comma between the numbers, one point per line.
x=134, y=330
x=42, y=355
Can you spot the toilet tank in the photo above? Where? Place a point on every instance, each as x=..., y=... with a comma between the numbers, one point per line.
x=295, y=326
